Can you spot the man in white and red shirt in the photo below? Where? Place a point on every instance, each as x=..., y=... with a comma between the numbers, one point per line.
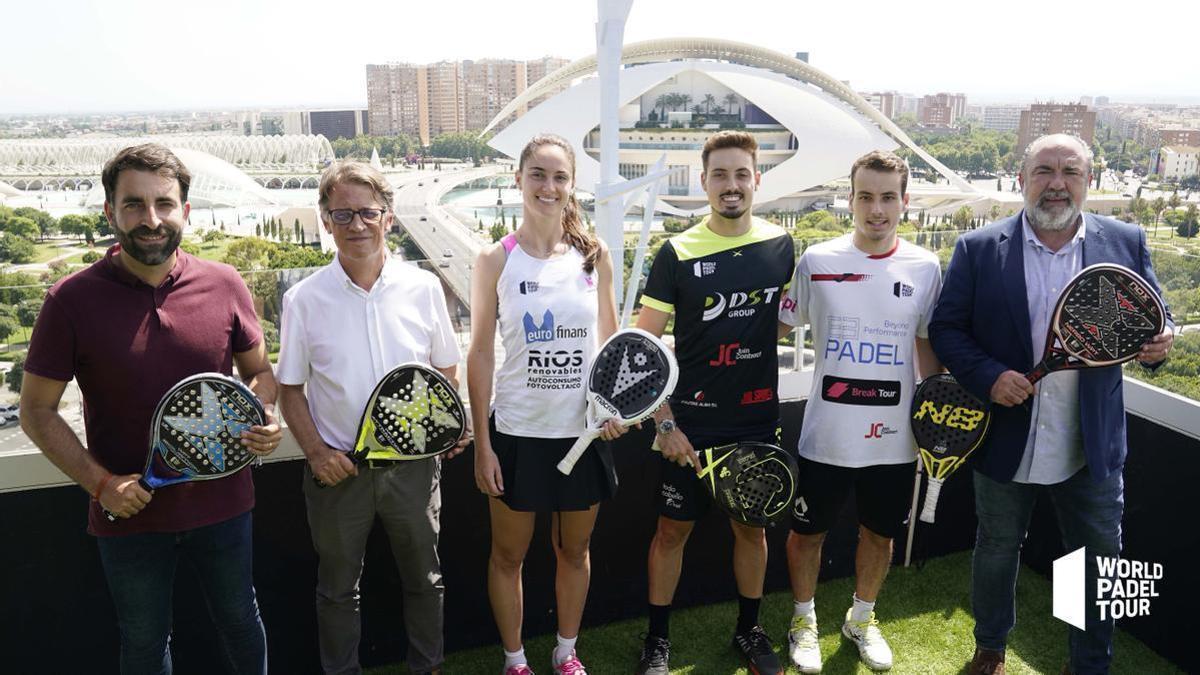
x=868, y=296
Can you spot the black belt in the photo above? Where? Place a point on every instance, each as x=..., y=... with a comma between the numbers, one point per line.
x=378, y=463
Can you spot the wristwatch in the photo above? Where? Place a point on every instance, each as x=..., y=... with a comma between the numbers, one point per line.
x=665, y=427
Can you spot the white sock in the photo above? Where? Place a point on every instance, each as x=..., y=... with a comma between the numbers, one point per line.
x=808, y=609
x=565, y=648
x=861, y=611
x=514, y=658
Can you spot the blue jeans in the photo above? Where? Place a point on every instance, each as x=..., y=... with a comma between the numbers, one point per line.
x=1089, y=514
x=140, y=570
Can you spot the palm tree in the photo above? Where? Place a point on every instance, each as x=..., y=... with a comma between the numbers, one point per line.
x=684, y=100
x=709, y=100
x=718, y=110
x=662, y=102
x=697, y=110
x=1159, y=205
x=731, y=99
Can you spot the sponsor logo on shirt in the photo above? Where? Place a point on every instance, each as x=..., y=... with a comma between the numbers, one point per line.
x=860, y=392
x=730, y=354
x=702, y=269
x=528, y=287
x=840, y=277
x=758, y=396
x=547, y=331
x=554, y=369
x=697, y=401
x=902, y=290
x=879, y=430
x=739, y=304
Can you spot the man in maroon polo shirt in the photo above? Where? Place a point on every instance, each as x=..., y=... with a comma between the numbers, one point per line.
x=127, y=329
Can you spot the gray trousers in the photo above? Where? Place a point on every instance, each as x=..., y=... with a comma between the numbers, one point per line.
x=407, y=498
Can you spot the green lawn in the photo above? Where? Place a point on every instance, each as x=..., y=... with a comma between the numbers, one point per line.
x=925, y=614
x=48, y=250
x=213, y=250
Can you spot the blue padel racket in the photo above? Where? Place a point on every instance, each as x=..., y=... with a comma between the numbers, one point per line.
x=196, y=432
x=413, y=413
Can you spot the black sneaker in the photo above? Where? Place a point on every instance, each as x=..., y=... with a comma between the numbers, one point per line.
x=758, y=651
x=655, y=652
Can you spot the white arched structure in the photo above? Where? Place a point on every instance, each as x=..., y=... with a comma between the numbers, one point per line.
x=831, y=123
x=86, y=155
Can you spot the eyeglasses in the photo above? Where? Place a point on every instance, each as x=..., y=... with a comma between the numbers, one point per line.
x=369, y=216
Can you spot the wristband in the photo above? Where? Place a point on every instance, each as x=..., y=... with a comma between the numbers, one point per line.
x=103, y=484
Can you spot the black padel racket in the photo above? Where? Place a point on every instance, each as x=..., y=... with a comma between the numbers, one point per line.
x=948, y=423
x=631, y=377
x=414, y=413
x=1103, y=317
x=753, y=483
x=196, y=432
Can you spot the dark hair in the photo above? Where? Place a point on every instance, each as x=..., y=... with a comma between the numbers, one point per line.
x=883, y=162
x=585, y=242
x=730, y=139
x=146, y=157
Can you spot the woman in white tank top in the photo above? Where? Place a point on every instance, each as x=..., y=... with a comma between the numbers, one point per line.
x=549, y=288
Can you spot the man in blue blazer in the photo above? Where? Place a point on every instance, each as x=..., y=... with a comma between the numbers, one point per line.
x=1066, y=436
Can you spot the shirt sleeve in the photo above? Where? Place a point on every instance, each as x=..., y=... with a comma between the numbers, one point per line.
x=443, y=345
x=934, y=289
x=660, y=284
x=793, y=309
x=52, y=345
x=247, y=332
x=293, y=365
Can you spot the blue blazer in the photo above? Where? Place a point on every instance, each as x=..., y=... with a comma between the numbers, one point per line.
x=980, y=328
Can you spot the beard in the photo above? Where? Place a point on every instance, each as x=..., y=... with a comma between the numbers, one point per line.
x=149, y=255
x=733, y=212
x=1053, y=220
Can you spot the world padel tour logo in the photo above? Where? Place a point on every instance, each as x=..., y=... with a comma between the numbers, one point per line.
x=1123, y=587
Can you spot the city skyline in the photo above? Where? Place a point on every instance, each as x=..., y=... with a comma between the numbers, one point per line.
x=141, y=57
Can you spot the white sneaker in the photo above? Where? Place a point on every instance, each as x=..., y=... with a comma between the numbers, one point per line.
x=872, y=648
x=803, y=647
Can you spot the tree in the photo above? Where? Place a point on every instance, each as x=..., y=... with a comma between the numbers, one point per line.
x=43, y=221
x=962, y=218
x=8, y=326
x=258, y=230
x=731, y=99
x=76, y=225
x=16, y=249
x=22, y=227
x=709, y=102
x=16, y=374
x=497, y=230
x=1190, y=224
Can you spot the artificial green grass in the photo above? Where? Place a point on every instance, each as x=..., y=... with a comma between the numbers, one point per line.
x=925, y=615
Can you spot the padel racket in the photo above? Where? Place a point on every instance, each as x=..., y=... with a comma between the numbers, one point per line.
x=196, y=432
x=1103, y=317
x=631, y=377
x=753, y=483
x=413, y=413
x=948, y=423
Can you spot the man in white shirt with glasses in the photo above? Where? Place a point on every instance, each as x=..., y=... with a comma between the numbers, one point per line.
x=344, y=328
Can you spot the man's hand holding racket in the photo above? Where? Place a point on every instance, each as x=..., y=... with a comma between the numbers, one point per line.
x=1011, y=389
x=331, y=466
x=263, y=439
x=123, y=496
x=1156, y=349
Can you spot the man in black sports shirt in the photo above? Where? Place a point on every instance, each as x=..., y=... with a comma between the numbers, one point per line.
x=723, y=280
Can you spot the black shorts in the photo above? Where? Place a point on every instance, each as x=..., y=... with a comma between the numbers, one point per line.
x=532, y=481
x=681, y=495
x=883, y=495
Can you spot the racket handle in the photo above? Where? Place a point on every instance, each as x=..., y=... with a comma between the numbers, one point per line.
x=568, y=461
x=931, y=499
x=1037, y=373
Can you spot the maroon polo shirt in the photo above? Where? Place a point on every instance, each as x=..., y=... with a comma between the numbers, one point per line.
x=126, y=344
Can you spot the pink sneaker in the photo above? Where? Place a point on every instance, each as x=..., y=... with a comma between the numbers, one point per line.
x=571, y=666
x=519, y=669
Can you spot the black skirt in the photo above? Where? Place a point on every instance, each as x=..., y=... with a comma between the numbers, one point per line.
x=532, y=481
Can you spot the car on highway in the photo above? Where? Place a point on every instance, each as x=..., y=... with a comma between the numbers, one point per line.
x=447, y=253
x=423, y=219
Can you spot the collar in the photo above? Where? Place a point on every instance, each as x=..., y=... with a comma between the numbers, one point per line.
x=117, y=271
x=1032, y=238
x=390, y=272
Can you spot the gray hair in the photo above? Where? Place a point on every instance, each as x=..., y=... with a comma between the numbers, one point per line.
x=1037, y=143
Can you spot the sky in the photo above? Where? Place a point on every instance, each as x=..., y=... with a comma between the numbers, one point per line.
x=78, y=56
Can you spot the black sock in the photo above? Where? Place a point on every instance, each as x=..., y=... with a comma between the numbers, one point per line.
x=747, y=613
x=660, y=621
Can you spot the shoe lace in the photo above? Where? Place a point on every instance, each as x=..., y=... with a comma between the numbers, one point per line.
x=755, y=641
x=656, y=651
x=571, y=666
x=869, y=630
x=804, y=632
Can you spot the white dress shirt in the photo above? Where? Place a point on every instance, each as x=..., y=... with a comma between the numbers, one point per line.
x=343, y=340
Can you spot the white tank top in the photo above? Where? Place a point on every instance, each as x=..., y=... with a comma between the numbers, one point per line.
x=547, y=318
